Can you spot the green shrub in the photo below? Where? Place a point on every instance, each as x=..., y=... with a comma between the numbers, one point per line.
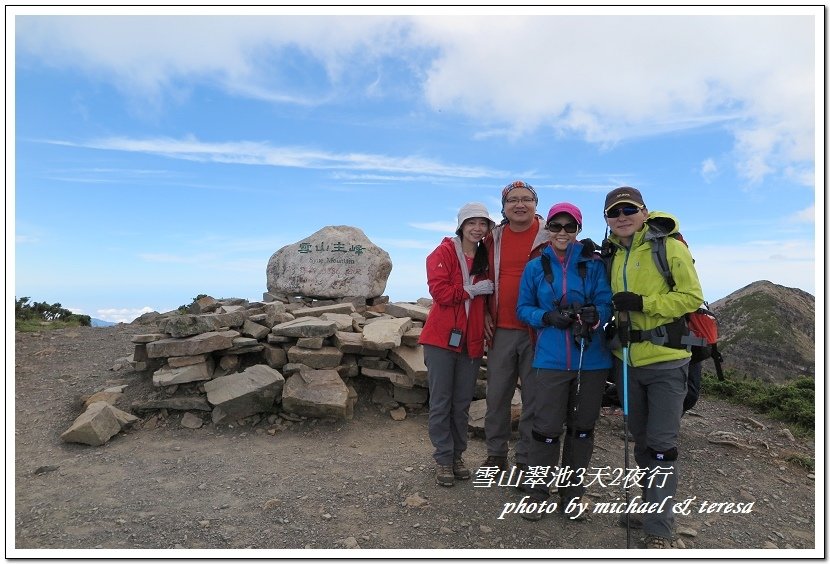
x=793, y=402
x=37, y=316
x=186, y=307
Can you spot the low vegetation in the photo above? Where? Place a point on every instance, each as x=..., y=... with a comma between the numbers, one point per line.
x=38, y=316
x=793, y=402
x=186, y=307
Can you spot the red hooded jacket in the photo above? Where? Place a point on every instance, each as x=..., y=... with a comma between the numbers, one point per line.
x=448, y=312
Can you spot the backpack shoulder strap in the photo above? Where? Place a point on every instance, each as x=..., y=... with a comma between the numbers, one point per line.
x=658, y=253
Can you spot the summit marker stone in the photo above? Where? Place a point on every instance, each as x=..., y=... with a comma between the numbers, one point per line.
x=335, y=262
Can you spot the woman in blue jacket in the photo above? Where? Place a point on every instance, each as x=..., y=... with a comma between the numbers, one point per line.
x=565, y=296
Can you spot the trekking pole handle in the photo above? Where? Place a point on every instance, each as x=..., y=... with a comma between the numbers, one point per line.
x=623, y=328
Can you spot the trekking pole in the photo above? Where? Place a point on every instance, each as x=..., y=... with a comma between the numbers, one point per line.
x=623, y=330
x=579, y=372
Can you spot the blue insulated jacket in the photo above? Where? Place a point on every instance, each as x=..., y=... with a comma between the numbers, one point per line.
x=556, y=348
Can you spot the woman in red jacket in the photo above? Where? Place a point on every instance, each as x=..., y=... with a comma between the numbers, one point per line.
x=453, y=337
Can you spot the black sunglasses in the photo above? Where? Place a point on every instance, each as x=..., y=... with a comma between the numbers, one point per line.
x=626, y=210
x=568, y=227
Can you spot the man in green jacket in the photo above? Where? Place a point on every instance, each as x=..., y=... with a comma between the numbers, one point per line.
x=658, y=357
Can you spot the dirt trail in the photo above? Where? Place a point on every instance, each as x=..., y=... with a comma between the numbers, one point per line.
x=364, y=483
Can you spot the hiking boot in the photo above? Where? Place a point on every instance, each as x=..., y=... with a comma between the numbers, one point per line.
x=459, y=470
x=574, y=514
x=495, y=461
x=535, y=516
x=521, y=471
x=653, y=541
x=634, y=521
x=444, y=475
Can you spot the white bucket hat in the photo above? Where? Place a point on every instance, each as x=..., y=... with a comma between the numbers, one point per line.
x=471, y=210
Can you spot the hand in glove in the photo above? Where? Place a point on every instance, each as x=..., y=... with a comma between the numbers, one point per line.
x=589, y=316
x=627, y=301
x=479, y=288
x=557, y=319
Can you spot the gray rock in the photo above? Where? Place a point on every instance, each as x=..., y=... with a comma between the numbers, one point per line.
x=348, y=342
x=382, y=397
x=198, y=344
x=275, y=357
x=179, y=361
x=318, y=311
x=244, y=345
x=334, y=262
x=310, y=342
x=478, y=409
x=385, y=334
x=254, y=330
x=326, y=357
x=404, y=309
x=167, y=376
x=148, y=338
x=305, y=327
x=189, y=325
x=181, y=403
x=229, y=362
x=292, y=368
x=411, y=359
x=409, y=395
x=343, y=321
x=375, y=362
x=191, y=421
x=203, y=305
x=246, y=393
x=397, y=377
x=95, y=426
x=316, y=393
x=411, y=337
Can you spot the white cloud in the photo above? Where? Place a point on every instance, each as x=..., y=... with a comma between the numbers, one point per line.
x=605, y=78
x=807, y=215
x=723, y=269
x=26, y=239
x=121, y=315
x=439, y=226
x=708, y=169
x=177, y=259
x=406, y=244
x=264, y=154
x=753, y=74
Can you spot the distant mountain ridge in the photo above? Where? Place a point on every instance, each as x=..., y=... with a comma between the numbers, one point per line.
x=101, y=323
x=767, y=331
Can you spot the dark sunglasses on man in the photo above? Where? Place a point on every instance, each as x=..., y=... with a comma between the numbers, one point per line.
x=557, y=227
x=624, y=210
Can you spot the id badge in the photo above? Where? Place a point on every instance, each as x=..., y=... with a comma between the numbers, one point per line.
x=455, y=338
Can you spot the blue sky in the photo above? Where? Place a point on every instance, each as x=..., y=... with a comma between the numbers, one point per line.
x=157, y=157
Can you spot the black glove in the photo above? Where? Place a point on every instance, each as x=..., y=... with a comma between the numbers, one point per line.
x=557, y=319
x=589, y=316
x=588, y=247
x=627, y=301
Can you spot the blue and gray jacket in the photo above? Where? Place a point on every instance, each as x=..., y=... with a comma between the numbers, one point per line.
x=556, y=349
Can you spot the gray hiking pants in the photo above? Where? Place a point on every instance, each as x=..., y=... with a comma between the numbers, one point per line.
x=452, y=381
x=655, y=405
x=557, y=404
x=509, y=360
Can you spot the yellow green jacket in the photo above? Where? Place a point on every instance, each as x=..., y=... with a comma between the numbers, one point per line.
x=633, y=270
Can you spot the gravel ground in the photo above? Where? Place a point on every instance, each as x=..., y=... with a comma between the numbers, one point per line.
x=362, y=484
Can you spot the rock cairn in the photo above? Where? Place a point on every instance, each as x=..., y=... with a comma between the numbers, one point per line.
x=234, y=362
x=289, y=356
